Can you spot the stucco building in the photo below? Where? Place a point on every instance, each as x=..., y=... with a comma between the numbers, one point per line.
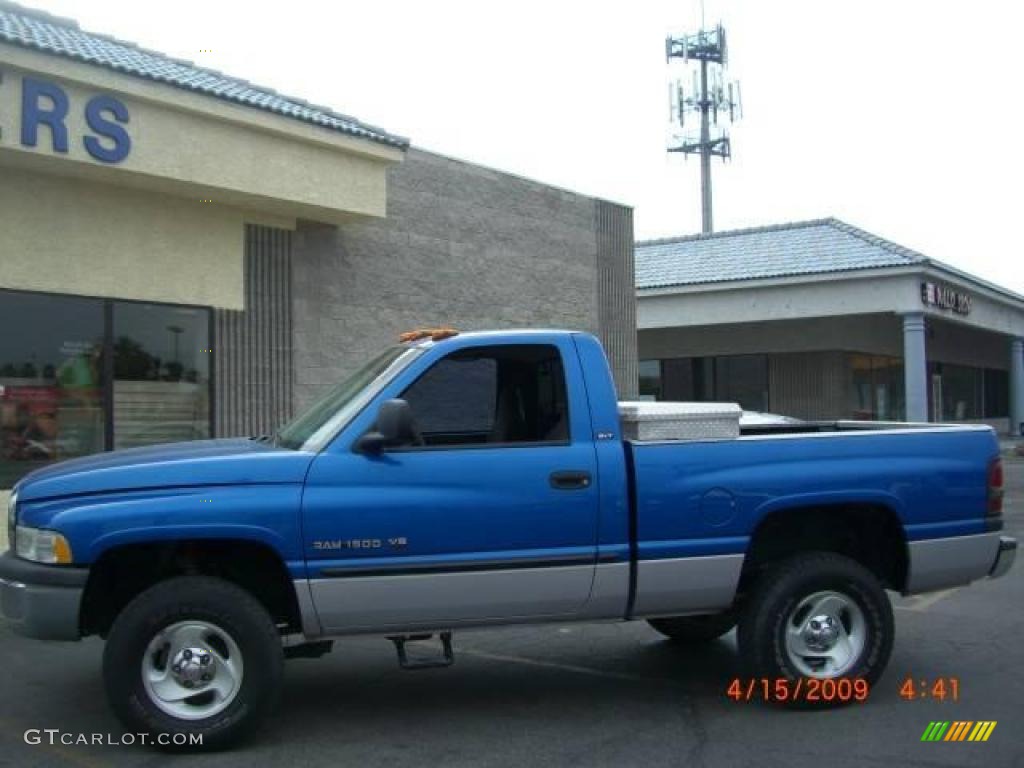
x=186, y=254
x=822, y=320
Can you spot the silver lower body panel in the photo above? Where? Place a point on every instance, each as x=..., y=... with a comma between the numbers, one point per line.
x=951, y=562
x=407, y=602
x=686, y=585
x=610, y=594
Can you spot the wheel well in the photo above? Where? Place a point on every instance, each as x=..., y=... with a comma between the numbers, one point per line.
x=122, y=573
x=871, y=534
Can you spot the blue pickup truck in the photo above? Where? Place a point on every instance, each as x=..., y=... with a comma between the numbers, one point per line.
x=464, y=480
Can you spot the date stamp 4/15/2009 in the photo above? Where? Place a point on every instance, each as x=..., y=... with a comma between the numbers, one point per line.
x=800, y=689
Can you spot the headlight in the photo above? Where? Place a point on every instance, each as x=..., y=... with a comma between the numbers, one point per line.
x=41, y=546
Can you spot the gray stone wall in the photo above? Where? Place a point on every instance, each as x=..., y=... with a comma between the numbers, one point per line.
x=616, y=297
x=461, y=245
x=252, y=348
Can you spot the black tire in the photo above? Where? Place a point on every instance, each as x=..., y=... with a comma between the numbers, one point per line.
x=774, y=600
x=695, y=629
x=193, y=598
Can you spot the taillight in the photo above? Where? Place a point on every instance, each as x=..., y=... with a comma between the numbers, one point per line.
x=995, y=488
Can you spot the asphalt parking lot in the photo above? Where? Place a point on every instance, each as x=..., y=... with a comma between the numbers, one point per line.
x=612, y=694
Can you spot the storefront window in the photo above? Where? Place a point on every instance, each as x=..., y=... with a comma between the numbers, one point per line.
x=650, y=380
x=687, y=379
x=51, y=381
x=742, y=379
x=55, y=399
x=997, y=394
x=739, y=379
x=863, y=406
x=956, y=392
x=878, y=388
x=161, y=374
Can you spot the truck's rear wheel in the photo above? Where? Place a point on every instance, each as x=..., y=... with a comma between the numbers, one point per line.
x=695, y=629
x=817, y=616
x=193, y=657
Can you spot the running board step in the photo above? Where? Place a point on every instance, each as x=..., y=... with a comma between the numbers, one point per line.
x=445, y=659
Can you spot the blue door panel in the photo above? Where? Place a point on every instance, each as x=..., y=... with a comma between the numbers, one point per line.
x=440, y=535
x=469, y=504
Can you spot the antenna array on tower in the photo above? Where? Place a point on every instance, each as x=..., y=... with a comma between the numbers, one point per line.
x=711, y=102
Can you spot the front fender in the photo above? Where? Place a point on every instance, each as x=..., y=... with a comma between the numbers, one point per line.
x=94, y=524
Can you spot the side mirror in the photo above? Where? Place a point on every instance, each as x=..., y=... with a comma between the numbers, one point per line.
x=395, y=427
x=372, y=442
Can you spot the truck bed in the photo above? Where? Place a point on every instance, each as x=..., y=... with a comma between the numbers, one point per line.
x=714, y=492
x=704, y=500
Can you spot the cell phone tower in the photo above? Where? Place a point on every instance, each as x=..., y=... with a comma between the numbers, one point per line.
x=712, y=96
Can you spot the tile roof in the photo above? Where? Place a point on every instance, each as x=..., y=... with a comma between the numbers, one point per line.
x=798, y=248
x=35, y=29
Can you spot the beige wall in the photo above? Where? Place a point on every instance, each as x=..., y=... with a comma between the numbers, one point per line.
x=71, y=236
x=201, y=147
x=167, y=222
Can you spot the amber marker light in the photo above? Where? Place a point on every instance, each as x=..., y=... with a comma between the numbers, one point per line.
x=434, y=334
x=61, y=550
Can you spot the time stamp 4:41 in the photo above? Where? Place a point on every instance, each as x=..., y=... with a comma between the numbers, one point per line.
x=938, y=689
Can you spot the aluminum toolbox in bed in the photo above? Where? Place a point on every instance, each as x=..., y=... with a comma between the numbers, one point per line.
x=646, y=420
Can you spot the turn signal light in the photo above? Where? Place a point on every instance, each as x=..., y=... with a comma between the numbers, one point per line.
x=61, y=550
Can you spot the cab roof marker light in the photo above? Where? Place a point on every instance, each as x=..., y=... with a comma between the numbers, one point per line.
x=434, y=334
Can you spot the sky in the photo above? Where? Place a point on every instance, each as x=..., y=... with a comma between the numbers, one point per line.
x=901, y=118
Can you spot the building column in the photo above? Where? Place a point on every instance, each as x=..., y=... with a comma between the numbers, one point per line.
x=915, y=367
x=1016, y=386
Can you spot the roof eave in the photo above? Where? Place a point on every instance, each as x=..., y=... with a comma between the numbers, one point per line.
x=859, y=273
x=70, y=69
x=928, y=267
x=356, y=129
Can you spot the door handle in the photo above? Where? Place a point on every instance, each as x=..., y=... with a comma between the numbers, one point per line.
x=570, y=480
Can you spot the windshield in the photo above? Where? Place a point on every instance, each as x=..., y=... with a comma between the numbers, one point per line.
x=314, y=427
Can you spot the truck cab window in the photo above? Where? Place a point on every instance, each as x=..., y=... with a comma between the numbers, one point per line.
x=492, y=395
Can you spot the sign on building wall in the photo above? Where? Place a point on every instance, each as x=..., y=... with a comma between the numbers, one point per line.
x=944, y=297
x=44, y=122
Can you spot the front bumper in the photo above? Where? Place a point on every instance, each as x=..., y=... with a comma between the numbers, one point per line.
x=1005, y=556
x=41, y=601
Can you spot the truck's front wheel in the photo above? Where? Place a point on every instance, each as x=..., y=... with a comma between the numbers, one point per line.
x=816, y=616
x=193, y=661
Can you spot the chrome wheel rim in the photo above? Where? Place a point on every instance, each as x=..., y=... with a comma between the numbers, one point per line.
x=825, y=634
x=192, y=670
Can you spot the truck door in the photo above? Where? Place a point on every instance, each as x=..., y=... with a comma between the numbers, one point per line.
x=491, y=516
